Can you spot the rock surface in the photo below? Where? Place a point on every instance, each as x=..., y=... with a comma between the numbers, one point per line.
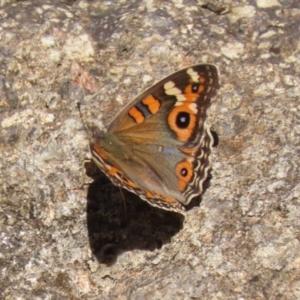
x=65, y=235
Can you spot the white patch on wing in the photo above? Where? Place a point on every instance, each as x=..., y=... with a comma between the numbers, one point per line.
x=168, y=85
x=194, y=75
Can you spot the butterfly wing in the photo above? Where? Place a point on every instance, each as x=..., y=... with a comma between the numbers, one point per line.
x=158, y=146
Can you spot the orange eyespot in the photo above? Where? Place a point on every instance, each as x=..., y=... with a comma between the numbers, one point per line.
x=184, y=172
x=194, y=88
x=182, y=120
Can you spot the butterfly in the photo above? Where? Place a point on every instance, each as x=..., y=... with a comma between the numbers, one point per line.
x=159, y=145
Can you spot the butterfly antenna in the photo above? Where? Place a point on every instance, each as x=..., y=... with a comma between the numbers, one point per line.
x=80, y=113
x=81, y=117
x=124, y=202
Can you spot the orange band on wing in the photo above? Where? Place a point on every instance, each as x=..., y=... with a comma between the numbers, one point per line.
x=136, y=115
x=149, y=195
x=152, y=104
x=190, y=151
x=167, y=199
x=130, y=183
x=99, y=150
x=115, y=173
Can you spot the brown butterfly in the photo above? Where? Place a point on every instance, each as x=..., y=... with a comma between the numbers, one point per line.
x=159, y=145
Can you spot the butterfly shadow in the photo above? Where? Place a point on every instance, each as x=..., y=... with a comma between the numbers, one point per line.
x=117, y=224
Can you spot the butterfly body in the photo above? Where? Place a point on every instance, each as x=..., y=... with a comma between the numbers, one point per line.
x=158, y=146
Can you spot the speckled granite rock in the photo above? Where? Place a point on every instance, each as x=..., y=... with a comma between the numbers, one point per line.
x=62, y=238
